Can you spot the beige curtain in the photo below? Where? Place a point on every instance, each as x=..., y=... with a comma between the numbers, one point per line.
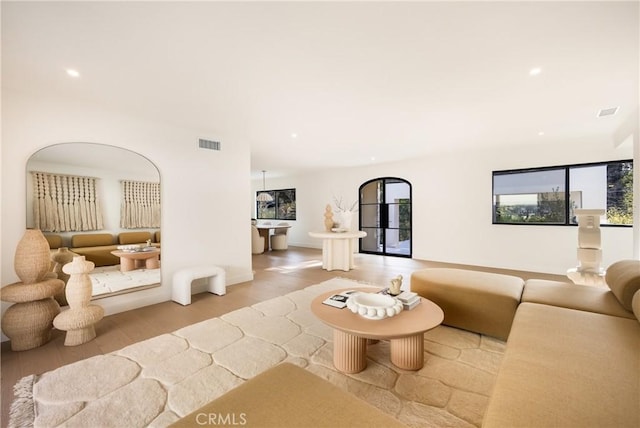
x=140, y=205
x=65, y=203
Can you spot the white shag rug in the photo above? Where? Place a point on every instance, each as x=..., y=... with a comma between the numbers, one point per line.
x=157, y=381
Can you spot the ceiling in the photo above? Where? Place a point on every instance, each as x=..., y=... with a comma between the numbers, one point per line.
x=357, y=82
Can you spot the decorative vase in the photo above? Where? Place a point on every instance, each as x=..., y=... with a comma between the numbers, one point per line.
x=32, y=261
x=80, y=319
x=345, y=219
x=328, y=218
x=78, y=289
x=61, y=258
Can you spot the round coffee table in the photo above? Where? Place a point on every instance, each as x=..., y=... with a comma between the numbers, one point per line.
x=130, y=260
x=404, y=331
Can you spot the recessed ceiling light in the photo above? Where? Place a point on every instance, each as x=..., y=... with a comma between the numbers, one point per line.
x=294, y=135
x=535, y=71
x=73, y=73
x=541, y=133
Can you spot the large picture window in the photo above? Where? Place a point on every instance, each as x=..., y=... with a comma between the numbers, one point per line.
x=281, y=207
x=551, y=195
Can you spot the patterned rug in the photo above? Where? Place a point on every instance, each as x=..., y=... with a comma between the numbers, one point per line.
x=171, y=375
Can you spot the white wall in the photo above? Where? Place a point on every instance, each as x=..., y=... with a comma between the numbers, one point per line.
x=202, y=190
x=452, y=208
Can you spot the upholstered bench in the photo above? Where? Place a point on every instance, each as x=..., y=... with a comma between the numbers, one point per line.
x=288, y=396
x=471, y=300
x=182, y=279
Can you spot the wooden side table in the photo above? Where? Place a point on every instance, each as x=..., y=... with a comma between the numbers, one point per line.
x=405, y=332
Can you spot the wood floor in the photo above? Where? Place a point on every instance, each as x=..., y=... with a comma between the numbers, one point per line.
x=276, y=273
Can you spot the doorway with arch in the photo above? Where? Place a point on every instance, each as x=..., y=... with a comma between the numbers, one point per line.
x=385, y=214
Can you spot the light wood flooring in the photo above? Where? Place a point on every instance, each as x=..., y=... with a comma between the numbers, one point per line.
x=276, y=273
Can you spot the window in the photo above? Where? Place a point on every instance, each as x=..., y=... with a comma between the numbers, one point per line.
x=551, y=195
x=282, y=207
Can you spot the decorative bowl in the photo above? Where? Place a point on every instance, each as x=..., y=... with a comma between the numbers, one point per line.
x=130, y=248
x=374, y=306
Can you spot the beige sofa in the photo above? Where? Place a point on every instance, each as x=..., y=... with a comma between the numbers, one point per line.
x=97, y=247
x=573, y=352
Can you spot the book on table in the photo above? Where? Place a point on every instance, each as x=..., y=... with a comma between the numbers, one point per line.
x=409, y=299
x=411, y=304
x=338, y=300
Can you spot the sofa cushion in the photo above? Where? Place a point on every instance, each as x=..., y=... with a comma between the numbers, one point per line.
x=100, y=256
x=585, y=298
x=55, y=241
x=157, y=237
x=636, y=304
x=91, y=240
x=623, y=278
x=126, y=238
x=567, y=368
x=287, y=395
x=482, y=302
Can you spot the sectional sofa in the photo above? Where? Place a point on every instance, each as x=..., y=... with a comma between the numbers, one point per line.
x=573, y=352
x=97, y=247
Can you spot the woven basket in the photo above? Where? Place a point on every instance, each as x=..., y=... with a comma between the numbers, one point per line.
x=29, y=325
x=32, y=261
x=23, y=293
x=79, y=289
x=61, y=258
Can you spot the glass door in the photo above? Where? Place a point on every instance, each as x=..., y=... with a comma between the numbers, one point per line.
x=385, y=214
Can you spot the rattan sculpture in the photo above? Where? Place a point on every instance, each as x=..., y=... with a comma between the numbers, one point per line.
x=28, y=322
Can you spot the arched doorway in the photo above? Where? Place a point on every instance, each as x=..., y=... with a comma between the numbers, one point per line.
x=385, y=214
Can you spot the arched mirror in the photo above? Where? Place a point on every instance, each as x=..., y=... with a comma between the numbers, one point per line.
x=101, y=202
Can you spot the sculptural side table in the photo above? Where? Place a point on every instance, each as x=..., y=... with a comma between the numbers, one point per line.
x=338, y=248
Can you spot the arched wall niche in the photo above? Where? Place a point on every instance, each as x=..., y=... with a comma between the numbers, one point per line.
x=109, y=166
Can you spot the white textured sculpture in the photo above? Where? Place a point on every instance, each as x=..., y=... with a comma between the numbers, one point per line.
x=589, y=270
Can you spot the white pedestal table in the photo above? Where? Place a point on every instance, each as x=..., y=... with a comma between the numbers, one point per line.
x=338, y=248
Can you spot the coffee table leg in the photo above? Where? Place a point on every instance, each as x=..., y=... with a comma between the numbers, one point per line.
x=152, y=263
x=127, y=264
x=408, y=352
x=349, y=352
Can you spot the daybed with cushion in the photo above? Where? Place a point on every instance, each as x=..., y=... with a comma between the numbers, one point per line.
x=573, y=352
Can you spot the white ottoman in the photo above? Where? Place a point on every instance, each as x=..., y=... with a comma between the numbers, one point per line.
x=182, y=279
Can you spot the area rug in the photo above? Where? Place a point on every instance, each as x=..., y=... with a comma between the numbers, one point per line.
x=109, y=279
x=157, y=381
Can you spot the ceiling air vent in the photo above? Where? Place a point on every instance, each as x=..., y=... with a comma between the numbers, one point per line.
x=208, y=144
x=608, y=111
